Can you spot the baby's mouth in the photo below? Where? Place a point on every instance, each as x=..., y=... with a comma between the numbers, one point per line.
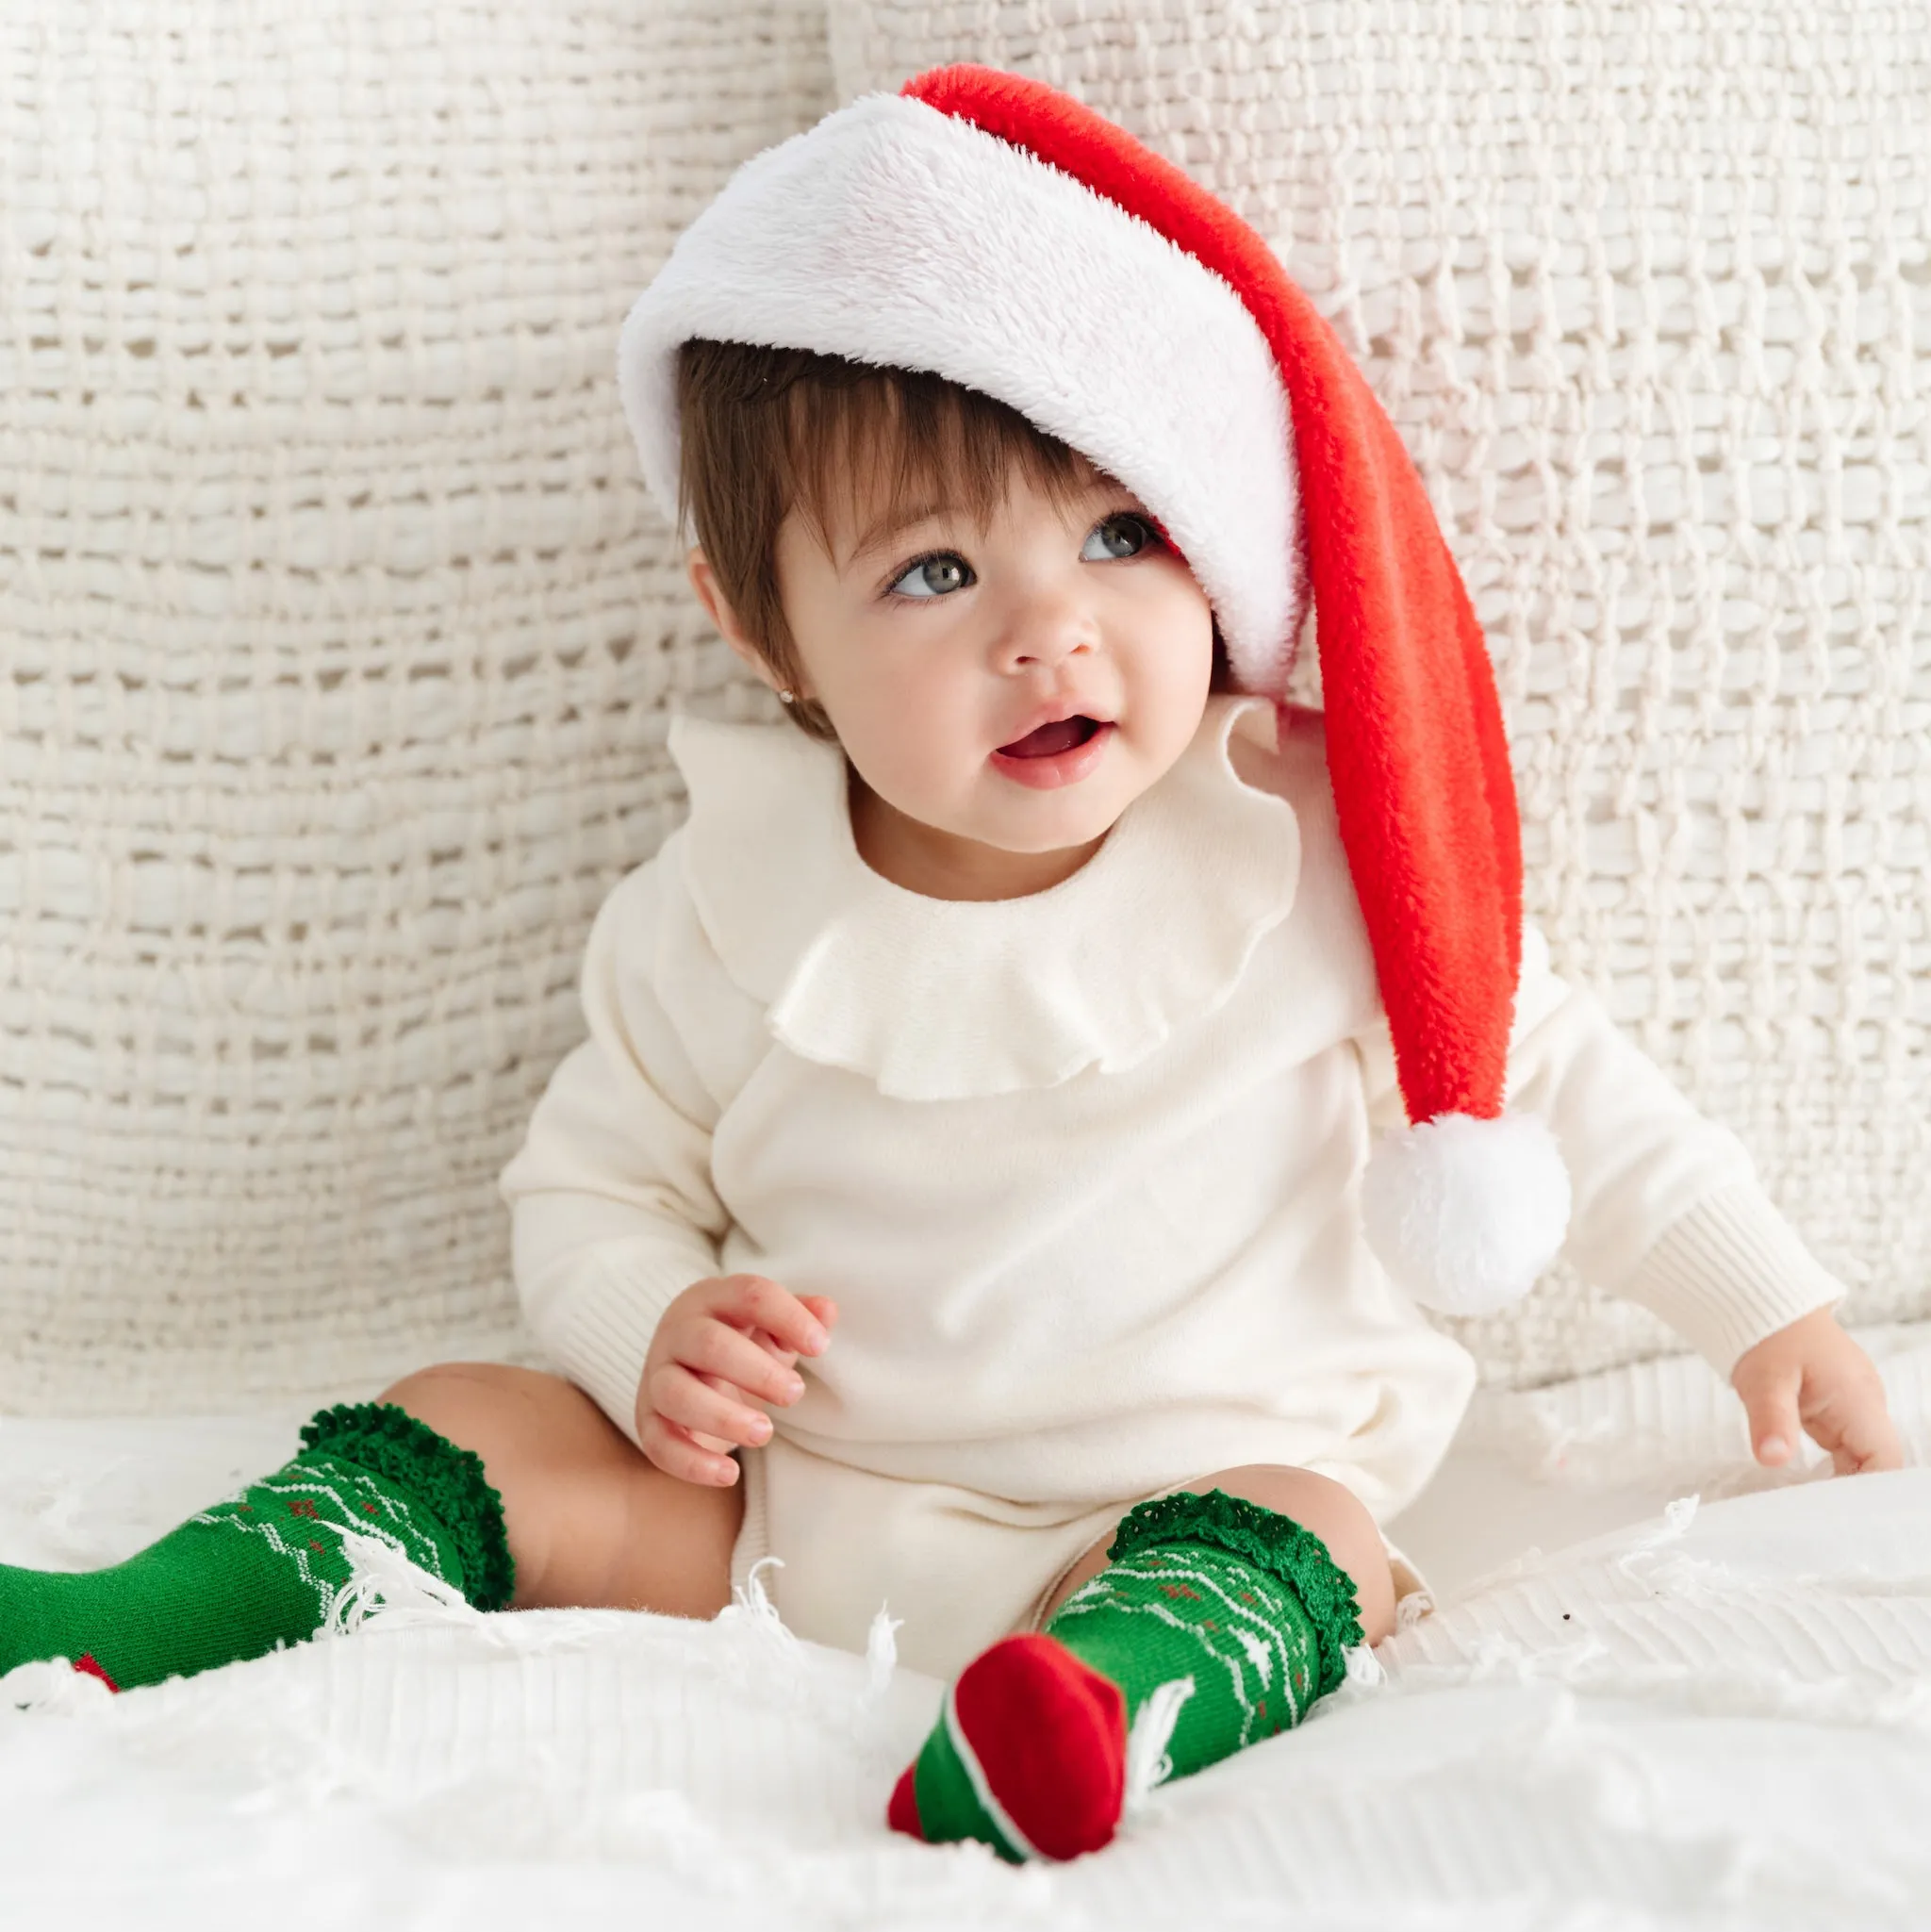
x=1051, y=739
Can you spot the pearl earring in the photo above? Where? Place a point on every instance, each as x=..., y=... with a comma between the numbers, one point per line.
x=785, y=697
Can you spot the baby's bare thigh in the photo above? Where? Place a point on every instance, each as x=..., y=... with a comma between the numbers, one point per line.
x=591, y=1523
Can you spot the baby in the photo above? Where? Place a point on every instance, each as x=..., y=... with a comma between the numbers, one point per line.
x=969, y=1190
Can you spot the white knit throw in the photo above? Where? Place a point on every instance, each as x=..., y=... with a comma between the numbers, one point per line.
x=335, y=633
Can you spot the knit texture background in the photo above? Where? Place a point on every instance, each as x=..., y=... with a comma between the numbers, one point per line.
x=1646, y=288
x=336, y=634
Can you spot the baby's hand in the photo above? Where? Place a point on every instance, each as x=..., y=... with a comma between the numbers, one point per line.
x=1813, y=1375
x=725, y=1343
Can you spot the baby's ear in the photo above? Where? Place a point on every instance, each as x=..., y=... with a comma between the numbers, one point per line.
x=703, y=580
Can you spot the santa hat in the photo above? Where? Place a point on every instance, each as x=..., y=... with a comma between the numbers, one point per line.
x=993, y=231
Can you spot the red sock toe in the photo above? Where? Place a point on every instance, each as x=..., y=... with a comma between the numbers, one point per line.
x=1029, y=1756
x=1051, y=1736
x=901, y=1814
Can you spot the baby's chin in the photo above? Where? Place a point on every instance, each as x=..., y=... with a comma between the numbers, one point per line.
x=1023, y=832
x=1063, y=829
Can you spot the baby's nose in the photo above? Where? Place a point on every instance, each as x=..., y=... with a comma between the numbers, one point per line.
x=1047, y=630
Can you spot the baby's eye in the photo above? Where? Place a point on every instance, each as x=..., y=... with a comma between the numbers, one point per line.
x=934, y=576
x=1122, y=534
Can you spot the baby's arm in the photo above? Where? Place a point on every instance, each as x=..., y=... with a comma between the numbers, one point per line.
x=1667, y=1212
x=614, y=1215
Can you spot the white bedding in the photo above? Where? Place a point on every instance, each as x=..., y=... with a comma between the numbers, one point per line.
x=1668, y=1712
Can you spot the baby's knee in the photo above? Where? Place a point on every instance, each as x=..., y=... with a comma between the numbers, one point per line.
x=509, y=1416
x=452, y=1392
x=1333, y=1512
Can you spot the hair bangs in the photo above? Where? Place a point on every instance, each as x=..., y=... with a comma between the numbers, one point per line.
x=867, y=456
x=854, y=450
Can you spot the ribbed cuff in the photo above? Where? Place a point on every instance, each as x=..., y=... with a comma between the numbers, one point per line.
x=599, y=1325
x=1730, y=1272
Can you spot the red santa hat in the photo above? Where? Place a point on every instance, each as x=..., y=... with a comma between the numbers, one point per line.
x=992, y=230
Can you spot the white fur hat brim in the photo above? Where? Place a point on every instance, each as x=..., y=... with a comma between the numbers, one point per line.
x=896, y=235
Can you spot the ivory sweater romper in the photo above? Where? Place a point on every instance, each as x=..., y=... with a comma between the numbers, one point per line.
x=1080, y=1170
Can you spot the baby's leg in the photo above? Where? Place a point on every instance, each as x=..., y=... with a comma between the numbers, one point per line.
x=508, y=1485
x=591, y=1522
x=1212, y=1619
x=1317, y=1503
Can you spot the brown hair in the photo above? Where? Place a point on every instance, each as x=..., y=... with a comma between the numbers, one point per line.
x=769, y=431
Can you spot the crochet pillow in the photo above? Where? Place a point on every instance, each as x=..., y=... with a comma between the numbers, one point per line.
x=337, y=632
x=1640, y=288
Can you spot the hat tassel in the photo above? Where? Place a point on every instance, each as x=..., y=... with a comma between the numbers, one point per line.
x=1466, y=1214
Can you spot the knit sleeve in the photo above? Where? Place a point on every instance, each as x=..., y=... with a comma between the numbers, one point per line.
x=613, y=1212
x=1667, y=1210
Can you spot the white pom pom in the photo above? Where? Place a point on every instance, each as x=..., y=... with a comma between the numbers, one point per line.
x=1465, y=1214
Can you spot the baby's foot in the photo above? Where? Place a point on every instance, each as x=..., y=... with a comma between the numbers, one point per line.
x=1029, y=1756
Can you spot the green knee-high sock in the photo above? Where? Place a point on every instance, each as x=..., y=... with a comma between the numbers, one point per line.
x=1229, y=1609
x=1240, y=1598
x=261, y=1568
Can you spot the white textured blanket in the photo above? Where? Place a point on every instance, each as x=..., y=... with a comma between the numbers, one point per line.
x=1717, y=1714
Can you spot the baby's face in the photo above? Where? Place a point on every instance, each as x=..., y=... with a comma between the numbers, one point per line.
x=937, y=642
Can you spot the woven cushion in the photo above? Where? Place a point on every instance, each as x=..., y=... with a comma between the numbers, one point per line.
x=1641, y=286
x=337, y=632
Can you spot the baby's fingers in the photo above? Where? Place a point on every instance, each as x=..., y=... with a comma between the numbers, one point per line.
x=1775, y=1427
x=1881, y=1447
x=759, y=1303
x=822, y=1305
x=1858, y=1433
x=705, y=1407
x=675, y=1453
x=711, y=1348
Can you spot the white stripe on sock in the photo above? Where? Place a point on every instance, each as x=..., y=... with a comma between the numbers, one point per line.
x=1016, y=1840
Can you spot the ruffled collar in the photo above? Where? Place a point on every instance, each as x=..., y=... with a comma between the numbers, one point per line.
x=940, y=998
